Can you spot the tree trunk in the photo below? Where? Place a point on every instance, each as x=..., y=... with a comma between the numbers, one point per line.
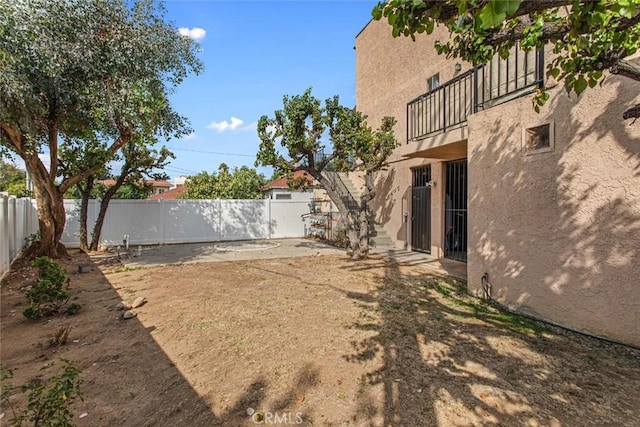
x=363, y=236
x=104, y=205
x=50, y=206
x=350, y=220
x=84, y=209
x=97, y=227
x=365, y=214
x=354, y=241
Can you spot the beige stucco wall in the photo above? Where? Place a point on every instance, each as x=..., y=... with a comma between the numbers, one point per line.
x=558, y=233
x=390, y=72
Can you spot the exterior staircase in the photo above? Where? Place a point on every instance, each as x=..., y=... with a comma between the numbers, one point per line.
x=379, y=240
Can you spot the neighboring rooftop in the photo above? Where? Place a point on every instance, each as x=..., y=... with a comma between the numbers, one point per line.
x=154, y=183
x=281, y=183
x=174, y=193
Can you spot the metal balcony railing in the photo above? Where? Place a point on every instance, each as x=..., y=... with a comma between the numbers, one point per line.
x=442, y=108
x=501, y=80
x=482, y=87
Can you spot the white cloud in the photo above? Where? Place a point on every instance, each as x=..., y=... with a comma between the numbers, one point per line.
x=195, y=33
x=192, y=135
x=225, y=125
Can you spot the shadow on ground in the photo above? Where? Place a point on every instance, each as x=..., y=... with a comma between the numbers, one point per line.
x=449, y=360
x=220, y=252
x=128, y=379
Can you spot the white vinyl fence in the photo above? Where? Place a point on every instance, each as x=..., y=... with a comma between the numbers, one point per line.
x=185, y=221
x=18, y=220
x=148, y=222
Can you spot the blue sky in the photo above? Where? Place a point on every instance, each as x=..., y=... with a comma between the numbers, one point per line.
x=255, y=52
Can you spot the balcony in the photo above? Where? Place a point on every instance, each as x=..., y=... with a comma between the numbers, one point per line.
x=448, y=106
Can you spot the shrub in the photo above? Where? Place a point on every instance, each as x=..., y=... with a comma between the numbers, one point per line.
x=49, y=293
x=47, y=402
x=60, y=337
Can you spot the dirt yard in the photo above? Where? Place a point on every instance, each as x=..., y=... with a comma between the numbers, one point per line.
x=312, y=341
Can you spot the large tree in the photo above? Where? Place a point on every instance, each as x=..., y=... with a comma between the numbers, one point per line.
x=77, y=67
x=588, y=36
x=238, y=183
x=300, y=127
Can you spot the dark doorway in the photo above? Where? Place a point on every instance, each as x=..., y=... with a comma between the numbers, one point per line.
x=455, y=211
x=421, y=210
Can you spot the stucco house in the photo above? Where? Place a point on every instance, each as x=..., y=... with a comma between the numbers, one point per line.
x=544, y=209
x=278, y=189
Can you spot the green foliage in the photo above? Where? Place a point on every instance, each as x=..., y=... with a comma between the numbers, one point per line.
x=6, y=375
x=490, y=312
x=74, y=308
x=13, y=180
x=81, y=79
x=240, y=183
x=48, y=403
x=587, y=36
x=30, y=241
x=48, y=295
x=299, y=128
x=134, y=191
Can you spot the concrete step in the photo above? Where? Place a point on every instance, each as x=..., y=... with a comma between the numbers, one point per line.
x=351, y=187
x=379, y=239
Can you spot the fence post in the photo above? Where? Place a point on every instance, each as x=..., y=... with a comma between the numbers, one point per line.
x=220, y=219
x=5, y=262
x=163, y=209
x=13, y=244
x=269, y=207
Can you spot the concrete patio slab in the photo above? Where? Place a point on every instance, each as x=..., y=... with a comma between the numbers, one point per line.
x=146, y=256
x=224, y=251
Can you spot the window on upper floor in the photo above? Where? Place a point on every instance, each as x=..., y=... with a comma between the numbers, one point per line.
x=433, y=82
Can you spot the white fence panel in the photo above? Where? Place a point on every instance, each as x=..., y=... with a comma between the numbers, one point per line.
x=13, y=245
x=191, y=221
x=71, y=234
x=22, y=221
x=286, y=218
x=245, y=219
x=157, y=222
x=141, y=220
x=5, y=257
x=18, y=220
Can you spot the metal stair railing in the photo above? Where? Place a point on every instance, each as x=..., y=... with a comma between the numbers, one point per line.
x=343, y=192
x=337, y=184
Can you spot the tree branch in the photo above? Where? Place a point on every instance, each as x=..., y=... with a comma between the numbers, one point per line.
x=450, y=11
x=550, y=30
x=632, y=113
x=125, y=136
x=53, y=148
x=14, y=136
x=626, y=69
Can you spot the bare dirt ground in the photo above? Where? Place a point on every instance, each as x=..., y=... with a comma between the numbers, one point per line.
x=317, y=340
